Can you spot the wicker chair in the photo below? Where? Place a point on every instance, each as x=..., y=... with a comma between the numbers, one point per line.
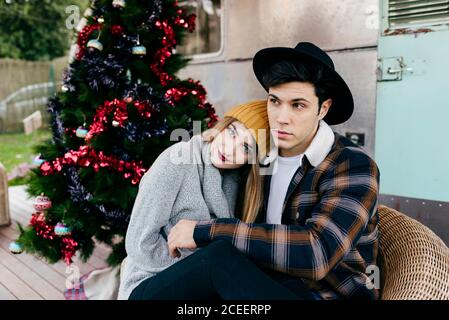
x=414, y=262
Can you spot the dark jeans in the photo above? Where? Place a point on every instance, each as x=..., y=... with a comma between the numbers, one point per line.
x=220, y=271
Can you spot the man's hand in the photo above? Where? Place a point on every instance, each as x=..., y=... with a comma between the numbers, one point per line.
x=181, y=237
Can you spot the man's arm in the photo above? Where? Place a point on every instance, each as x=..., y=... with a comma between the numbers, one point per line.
x=349, y=197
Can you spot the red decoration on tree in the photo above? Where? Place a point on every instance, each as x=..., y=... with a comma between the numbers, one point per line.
x=88, y=157
x=120, y=114
x=187, y=22
x=71, y=132
x=42, y=203
x=83, y=38
x=46, y=231
x=169, y=43
x=174, y=95
x=43, y=230
x=68, y=249
x=169, y=23
x=117, y=30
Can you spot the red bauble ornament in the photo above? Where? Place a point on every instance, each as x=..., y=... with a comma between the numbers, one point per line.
x=117, y=30
x=42, y=203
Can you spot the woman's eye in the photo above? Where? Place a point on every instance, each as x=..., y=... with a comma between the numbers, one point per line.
x=231, y=131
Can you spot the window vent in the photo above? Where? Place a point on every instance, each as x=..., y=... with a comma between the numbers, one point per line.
x=413, y=12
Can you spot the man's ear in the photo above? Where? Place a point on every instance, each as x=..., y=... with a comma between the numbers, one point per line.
x=325, y=106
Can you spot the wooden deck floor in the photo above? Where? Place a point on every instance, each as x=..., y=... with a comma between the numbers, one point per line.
x=25, y=277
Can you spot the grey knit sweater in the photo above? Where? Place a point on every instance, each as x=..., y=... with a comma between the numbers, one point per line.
x=181, y=184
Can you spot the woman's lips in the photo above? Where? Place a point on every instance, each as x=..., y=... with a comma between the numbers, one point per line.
x=222, y=157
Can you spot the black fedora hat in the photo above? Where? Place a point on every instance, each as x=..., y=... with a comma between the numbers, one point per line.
x=342, y=101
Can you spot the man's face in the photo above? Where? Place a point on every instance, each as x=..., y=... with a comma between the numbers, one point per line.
x=293, y=114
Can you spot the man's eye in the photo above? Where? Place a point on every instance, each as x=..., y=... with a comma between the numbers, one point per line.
x=273, y=101
x=298, y=105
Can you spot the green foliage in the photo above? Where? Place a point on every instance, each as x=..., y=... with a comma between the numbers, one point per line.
x=49, y=249
x=109, y=187
x=35, y=29
x=117, y=255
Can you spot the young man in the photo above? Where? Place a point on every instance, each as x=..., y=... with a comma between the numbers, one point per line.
x=317, y=232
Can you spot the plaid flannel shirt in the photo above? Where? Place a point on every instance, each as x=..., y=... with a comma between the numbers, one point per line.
x=328, y=236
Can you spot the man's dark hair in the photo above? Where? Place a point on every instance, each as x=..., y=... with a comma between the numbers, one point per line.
x=288, y=71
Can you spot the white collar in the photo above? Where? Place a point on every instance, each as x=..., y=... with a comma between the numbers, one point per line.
x=321, y=144
x=318, y=149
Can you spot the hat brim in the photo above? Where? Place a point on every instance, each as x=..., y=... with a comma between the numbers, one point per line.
x=342, y=100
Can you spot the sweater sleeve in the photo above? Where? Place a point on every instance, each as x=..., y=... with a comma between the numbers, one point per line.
x=158, y=189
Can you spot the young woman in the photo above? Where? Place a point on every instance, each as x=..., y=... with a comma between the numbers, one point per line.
x=213, y=175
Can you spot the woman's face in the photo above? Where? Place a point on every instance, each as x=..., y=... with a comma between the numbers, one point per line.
x=232, y=147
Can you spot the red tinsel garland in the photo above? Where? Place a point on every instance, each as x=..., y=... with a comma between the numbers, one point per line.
x=83, y=38
x=120, y=115
x=169, y=43
x=68, y=249
x=161, y=55
x=88, y=157
x=175, y=94
x=187, y=22
x=46, y=231
x=43, y=230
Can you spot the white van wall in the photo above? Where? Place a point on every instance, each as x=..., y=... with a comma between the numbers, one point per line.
x=346, y=29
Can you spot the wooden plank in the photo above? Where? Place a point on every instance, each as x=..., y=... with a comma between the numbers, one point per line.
x=17, y=286
x=51, y=275
x=18, y=218
x=6, y=239
x=20, y=211
x=60, y=266
x=30, y=277
x=18, y=203
x=20, y=192
x=5, y=294
x=18, y=196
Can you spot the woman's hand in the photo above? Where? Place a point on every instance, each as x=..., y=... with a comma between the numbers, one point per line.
x=181, y=237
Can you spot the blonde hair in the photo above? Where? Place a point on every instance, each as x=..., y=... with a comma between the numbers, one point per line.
x=252, y=201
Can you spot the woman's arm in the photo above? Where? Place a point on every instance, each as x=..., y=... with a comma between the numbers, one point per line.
x=158, y=189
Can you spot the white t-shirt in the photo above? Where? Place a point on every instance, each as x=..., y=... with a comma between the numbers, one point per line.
x=280, y=181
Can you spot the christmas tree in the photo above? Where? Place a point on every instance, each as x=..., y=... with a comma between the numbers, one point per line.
x=119, y=102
